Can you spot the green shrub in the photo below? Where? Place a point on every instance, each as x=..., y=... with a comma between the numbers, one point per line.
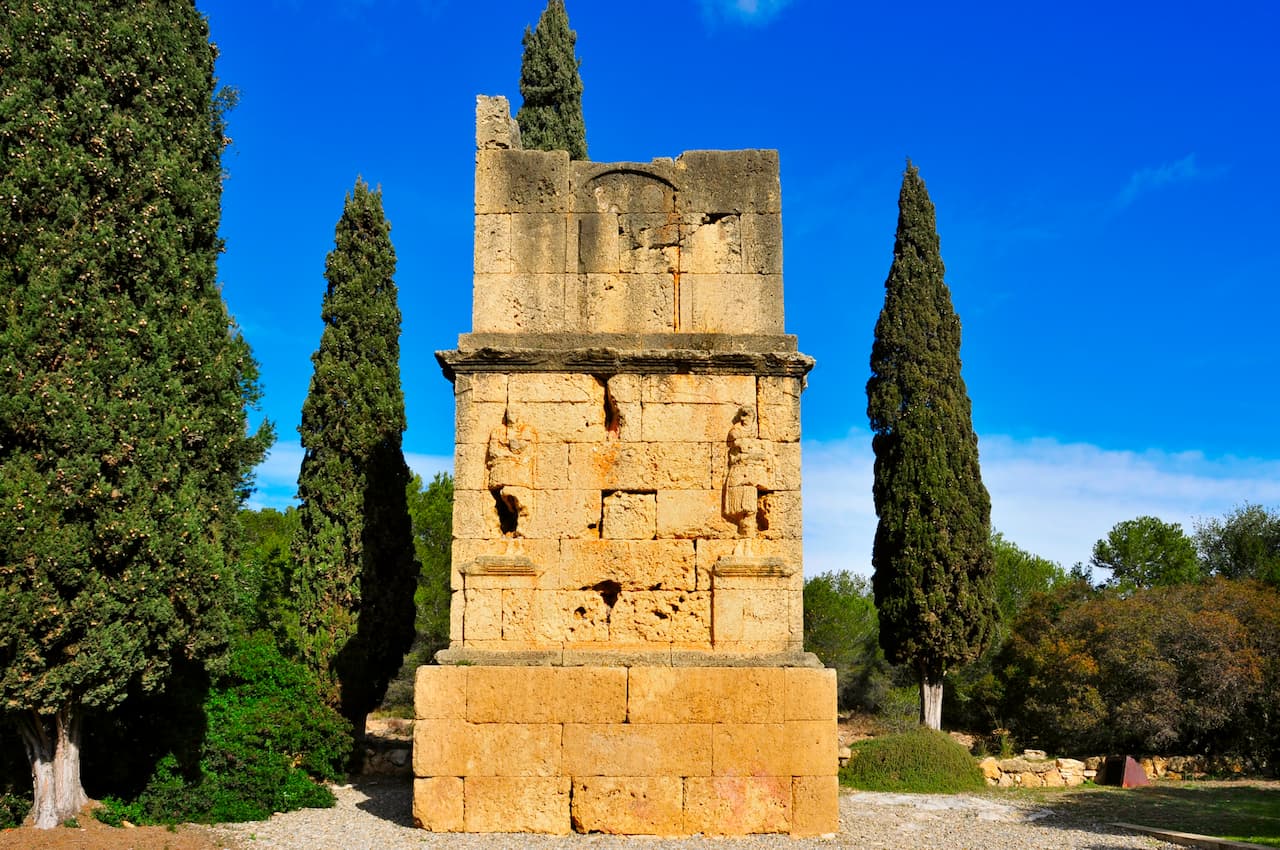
x=13, y=810
x=920, y=761
x=268, y=737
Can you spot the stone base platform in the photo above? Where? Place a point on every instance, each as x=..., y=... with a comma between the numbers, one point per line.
x=626, y=750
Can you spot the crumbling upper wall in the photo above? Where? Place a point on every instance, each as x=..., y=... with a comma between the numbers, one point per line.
x=689, y=246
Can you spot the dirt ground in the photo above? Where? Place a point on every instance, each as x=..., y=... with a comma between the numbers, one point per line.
x=92, y=835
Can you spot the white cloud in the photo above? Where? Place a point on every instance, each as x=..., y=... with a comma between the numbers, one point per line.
x=277, y=476
x=1054, y=499
x=1147, y=179
x=745, y=11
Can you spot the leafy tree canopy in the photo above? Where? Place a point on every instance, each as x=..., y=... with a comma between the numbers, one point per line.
x=1243, y=544
x=1147, y=552
x=550, y=117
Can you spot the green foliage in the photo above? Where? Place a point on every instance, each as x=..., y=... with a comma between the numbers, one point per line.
x=355, y=573
x=262, y=575
x=550, y=118
x=1190, y=668
x=921, y=761
x=1243, y=544
x=932, y=554
x=1019, y=575
x=13, y=810
x=269, y=735
x=1147, y=552
x=124, y=451
x=840, y=627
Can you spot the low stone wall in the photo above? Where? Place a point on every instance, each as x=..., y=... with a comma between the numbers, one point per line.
x=1032, y=770
x=639, y=750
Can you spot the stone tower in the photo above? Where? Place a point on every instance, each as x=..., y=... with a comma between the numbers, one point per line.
x=626, y=632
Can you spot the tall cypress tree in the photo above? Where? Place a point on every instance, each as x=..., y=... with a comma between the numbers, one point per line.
x=123, y=382
x=355, y=570
x=932, y=554
x=550, y=118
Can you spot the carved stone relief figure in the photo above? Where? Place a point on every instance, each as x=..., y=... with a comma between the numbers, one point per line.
x=509, y=462
x=750, y=471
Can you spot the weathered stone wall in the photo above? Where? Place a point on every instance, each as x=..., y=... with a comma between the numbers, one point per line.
x=640, y=750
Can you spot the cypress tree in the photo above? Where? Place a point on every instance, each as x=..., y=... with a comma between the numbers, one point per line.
x=550, y=118
x=123, y=381
x=355, y=571
x=932, y=554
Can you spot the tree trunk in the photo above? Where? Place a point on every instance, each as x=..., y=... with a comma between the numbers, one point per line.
x=930, y=700
x=53, y=749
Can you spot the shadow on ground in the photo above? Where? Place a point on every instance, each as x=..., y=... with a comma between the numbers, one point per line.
x=388, y=797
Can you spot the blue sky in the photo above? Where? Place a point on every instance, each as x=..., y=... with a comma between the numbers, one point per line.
x=1105, y=178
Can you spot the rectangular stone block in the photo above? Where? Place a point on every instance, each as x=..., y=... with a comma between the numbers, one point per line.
x=468, y=466
x=632, y=564
x=493, y=244
x=811, y=694
x=786, y=466
x=482, y=615
x=789, y=552
x=637, y=750
x=518, y=303
x=737, y=181
x=544, y=556
x=555, y=387
x=620, y=187
x=629, y=515
x=562, y=514
x=734, y=390
x=619, y=465
x=765, y=618
x=737, y=805
x=762, y=243
x=812, y=747
x=731, y=303
x=632, y=805
x=815, y=805
x=659, y=695
x=623, y=302
x=693, y=514
x=474, y=421
x=597, y=243
x=649, y=243
x=778, y=403
x=680, y=617
x=481, y=387
x=538, y=243
x=551, y=466
x=682, y=422
x=750, y=749
x=517, y=804
x=458, y=748
x=565, y=422
x=547, y=695
x=711, y=244
x=522, y=181
x=475, y=515
x=437, y=803
x=440, y=693
x=780, y=515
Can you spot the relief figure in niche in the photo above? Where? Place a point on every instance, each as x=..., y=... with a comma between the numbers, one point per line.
x=750, y=472
x=509, y=463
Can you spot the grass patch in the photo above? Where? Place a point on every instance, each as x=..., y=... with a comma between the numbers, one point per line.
x=920, y=761
x=1241, y=810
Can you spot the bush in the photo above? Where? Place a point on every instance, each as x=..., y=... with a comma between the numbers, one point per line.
x=13, y=810
x=269, y=736
x=920, y=761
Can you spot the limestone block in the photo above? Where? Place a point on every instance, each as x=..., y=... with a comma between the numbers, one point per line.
x=711, y=244
x=633, y=805
x=613, y=749
x=563, y=514
x=475, y=515
x=482, y=615
x=810, y=694
x=757, y=616
x=731, y=303
x=481, y=387
x=458, y=748
x=522, y=181
x=730, y=390
x=659, y=695
x=623, y=186
x=815, y=805
x=544, y=556
x=780, y=515
x=597, y=243
x=580, y=616
x=493, y=253
x=737, y=805
x=566, y=422
x=649, y=243
x=622, y=303
x=538, y=243
x=548, y=387
x=474, y=421
x=623, y=405
x=682, y=422
x=457, y=616
x=546, y=694
x=495, y=129
x=990, y=767
x=517, y=804
x=440, y=693
x=750, y=749
x=693, y=514
x=629, y=516
x=789, y=552
x=1030, y=780
x=630, y=564
x=786, y=469
x=812, y=747
x=778, y=404
x=662, y=616
x=468, y=466
x=551, y=466
x=437, y=803
x=518, y=303
x=640, y=466
x=626, y=388
x=1053, y=779
x=762, y=243
x=728, y=182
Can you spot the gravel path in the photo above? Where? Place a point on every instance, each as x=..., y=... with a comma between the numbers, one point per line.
x=376, y=816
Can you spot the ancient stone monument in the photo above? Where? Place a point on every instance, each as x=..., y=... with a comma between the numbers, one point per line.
x=626, y=636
